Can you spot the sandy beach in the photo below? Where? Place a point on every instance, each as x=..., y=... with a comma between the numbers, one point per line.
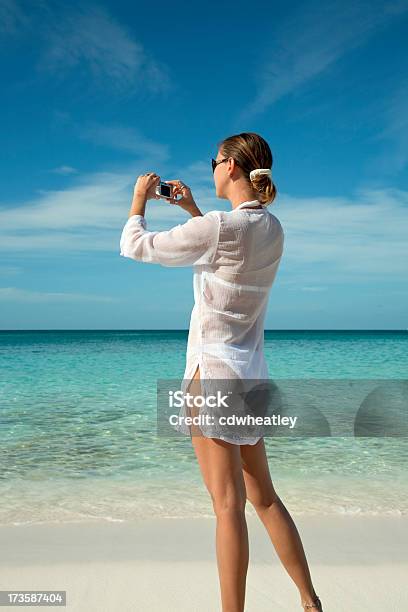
x=168, y=565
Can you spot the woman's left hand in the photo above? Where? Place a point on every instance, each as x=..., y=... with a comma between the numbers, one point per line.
x=146, y=186
x=186, y=201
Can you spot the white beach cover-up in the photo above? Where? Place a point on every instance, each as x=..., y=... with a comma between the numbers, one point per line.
x=235, y=256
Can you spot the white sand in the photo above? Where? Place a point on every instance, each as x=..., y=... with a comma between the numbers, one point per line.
x=169, y=565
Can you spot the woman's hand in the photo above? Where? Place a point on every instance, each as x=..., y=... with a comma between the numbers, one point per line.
x=145, y=186
x=186, y=201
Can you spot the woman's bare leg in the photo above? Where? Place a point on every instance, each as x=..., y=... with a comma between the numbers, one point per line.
x=221, y=468
x=276, y=518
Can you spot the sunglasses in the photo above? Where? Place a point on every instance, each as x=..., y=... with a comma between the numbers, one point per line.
x=215, y=163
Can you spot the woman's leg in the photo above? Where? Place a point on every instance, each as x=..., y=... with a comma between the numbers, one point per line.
x=276, y=518
x=221, y=468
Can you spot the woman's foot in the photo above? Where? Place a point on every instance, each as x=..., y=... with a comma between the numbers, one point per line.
x=314, y=605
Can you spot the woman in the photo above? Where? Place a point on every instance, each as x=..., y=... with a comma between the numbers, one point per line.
x=235, y=255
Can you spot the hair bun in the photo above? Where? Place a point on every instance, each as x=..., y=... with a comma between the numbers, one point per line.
x=253, y=155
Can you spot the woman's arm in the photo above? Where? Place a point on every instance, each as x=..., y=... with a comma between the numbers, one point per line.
x=138, y=206
x=192, y=243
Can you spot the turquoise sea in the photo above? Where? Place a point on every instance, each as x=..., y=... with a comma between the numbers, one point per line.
x=80, y=442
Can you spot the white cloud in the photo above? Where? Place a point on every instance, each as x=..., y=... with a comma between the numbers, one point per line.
x=86, y=217
x=10, y=270
x=12, y=18
x=65, y=170
x=341, y=239
x=313, y=289
x=309, y=39
x=394, y=155
x=123, y=138
x=14, y=294
x=90, y=40
x=327, y=239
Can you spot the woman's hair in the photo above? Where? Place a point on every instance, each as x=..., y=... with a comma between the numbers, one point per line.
x=251, y=151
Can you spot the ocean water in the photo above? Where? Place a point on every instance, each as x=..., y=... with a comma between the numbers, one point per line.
x=79, y=430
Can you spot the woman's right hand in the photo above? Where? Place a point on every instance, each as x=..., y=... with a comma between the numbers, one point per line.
x=186, y=201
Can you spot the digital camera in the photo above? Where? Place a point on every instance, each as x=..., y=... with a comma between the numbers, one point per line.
x=164, y=190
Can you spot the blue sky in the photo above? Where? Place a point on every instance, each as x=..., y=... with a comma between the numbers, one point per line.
x=94, y=94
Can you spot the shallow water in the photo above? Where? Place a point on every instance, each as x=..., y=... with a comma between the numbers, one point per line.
x=78, y=418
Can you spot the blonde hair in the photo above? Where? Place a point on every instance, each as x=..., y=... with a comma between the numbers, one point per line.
x=251, y=151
